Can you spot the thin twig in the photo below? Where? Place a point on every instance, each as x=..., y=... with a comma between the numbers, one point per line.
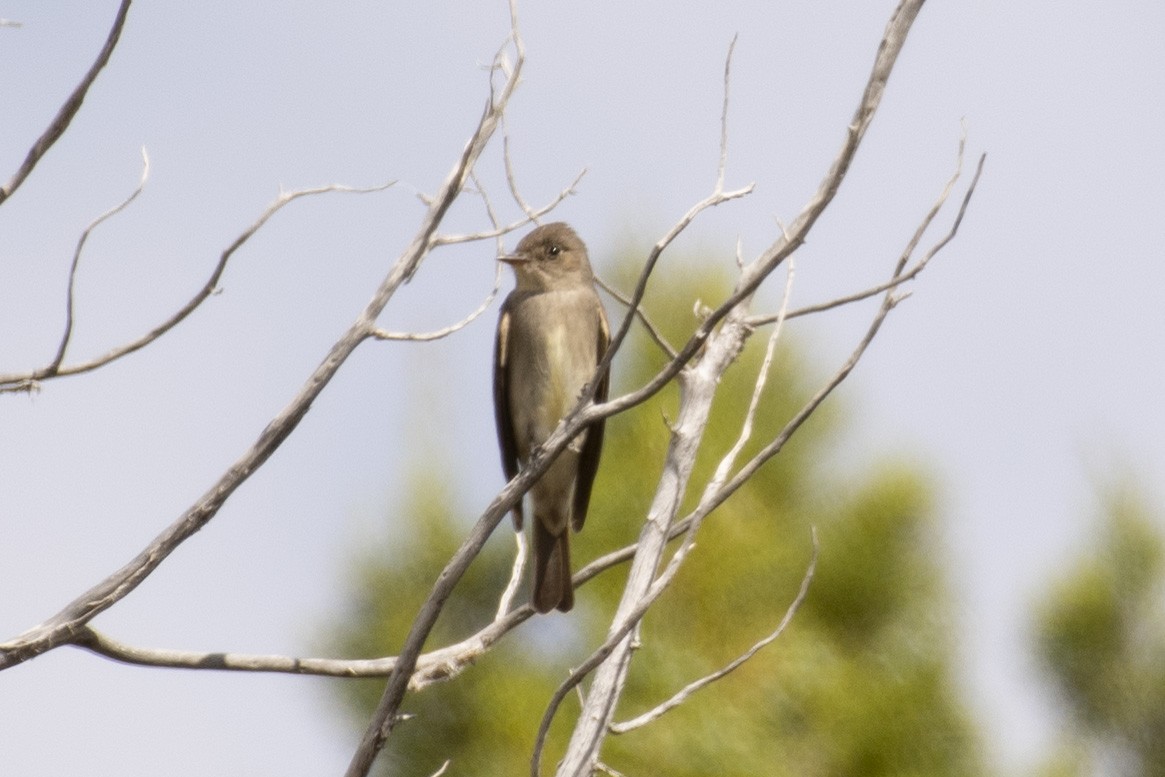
x=69, y=109
x=435, y=666
x=512, y=179
x=29, y=380
x=383, y=334
x=602, y=767
x=901, y=275
x=492, y=215
x=444, y=240
x=55, y=364
x=722, y=165
x=729, y=459
x=681, y=696
x=515, y=576
x=888, y=303
x=641, y=314
x=821, y=307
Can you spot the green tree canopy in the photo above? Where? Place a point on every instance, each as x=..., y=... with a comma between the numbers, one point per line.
x=1100, y=635
x=859, y=684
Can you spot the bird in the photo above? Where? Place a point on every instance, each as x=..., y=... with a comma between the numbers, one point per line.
x=552, y=332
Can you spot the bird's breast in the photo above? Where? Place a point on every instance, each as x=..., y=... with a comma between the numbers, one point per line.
x=553, y=341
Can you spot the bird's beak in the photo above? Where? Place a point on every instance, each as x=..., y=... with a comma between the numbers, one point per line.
x=513, y=258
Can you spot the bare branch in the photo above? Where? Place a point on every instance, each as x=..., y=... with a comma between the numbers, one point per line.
x=479, y=190
x=722, y=167
x=382, y=334
x=63, y=627
x=641, y=314
x=56, y=362
x=102, y=644
x=72, y=104
x=432, y=667
x=726, y=347
x=627, y=619
x=888, y=303
x=29, y=381
x=792, y=238
x=435, y=666
x=699, y=365
x=902, y=275
x=820, y=307
x=385, y=715
x=444, y=240
x=602, y=767
x=729, y=459
x=697, y=387
x=686, y=692
x=512, y=179
x=515, y=576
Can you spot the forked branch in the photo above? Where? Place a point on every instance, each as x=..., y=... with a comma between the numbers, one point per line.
x=65, y=626
x=30, y=381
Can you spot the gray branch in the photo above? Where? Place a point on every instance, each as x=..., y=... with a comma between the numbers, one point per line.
x=65, y=626
x=698, y=382
x=72, y=104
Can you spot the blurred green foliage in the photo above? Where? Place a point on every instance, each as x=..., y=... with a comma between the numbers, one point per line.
x=861, y=683
x=1100, y=635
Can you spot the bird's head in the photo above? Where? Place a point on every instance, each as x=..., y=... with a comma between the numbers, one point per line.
x=551, y=257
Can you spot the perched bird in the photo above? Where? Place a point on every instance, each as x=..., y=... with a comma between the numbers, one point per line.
x=552, y=332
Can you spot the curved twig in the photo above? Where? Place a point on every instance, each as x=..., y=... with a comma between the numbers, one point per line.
x=55, y=364
x=901, y=275
x=684, y=693
x=437, y=334
x=30, y=380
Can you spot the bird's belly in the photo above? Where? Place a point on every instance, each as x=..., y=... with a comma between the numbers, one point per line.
x=546, y=397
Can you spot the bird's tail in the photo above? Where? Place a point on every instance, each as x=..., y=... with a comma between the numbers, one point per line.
x=552, y=584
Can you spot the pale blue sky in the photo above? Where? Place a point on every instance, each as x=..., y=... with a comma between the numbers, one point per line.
x=1025, y=369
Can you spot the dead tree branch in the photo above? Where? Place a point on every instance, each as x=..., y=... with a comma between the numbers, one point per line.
x=30, y=381
x=720, y=337
x=686, y=692
x=72, y=104
x=55, y=364
x=65, y=626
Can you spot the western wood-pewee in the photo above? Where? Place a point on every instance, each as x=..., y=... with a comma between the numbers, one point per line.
x=551, y=335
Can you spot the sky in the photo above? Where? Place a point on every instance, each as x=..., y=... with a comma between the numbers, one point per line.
x=1024, y=372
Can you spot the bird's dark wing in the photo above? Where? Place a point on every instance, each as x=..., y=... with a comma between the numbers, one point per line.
x=588, y=463
x=505, y=425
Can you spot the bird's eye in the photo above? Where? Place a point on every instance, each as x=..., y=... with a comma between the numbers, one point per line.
x=554, y=250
